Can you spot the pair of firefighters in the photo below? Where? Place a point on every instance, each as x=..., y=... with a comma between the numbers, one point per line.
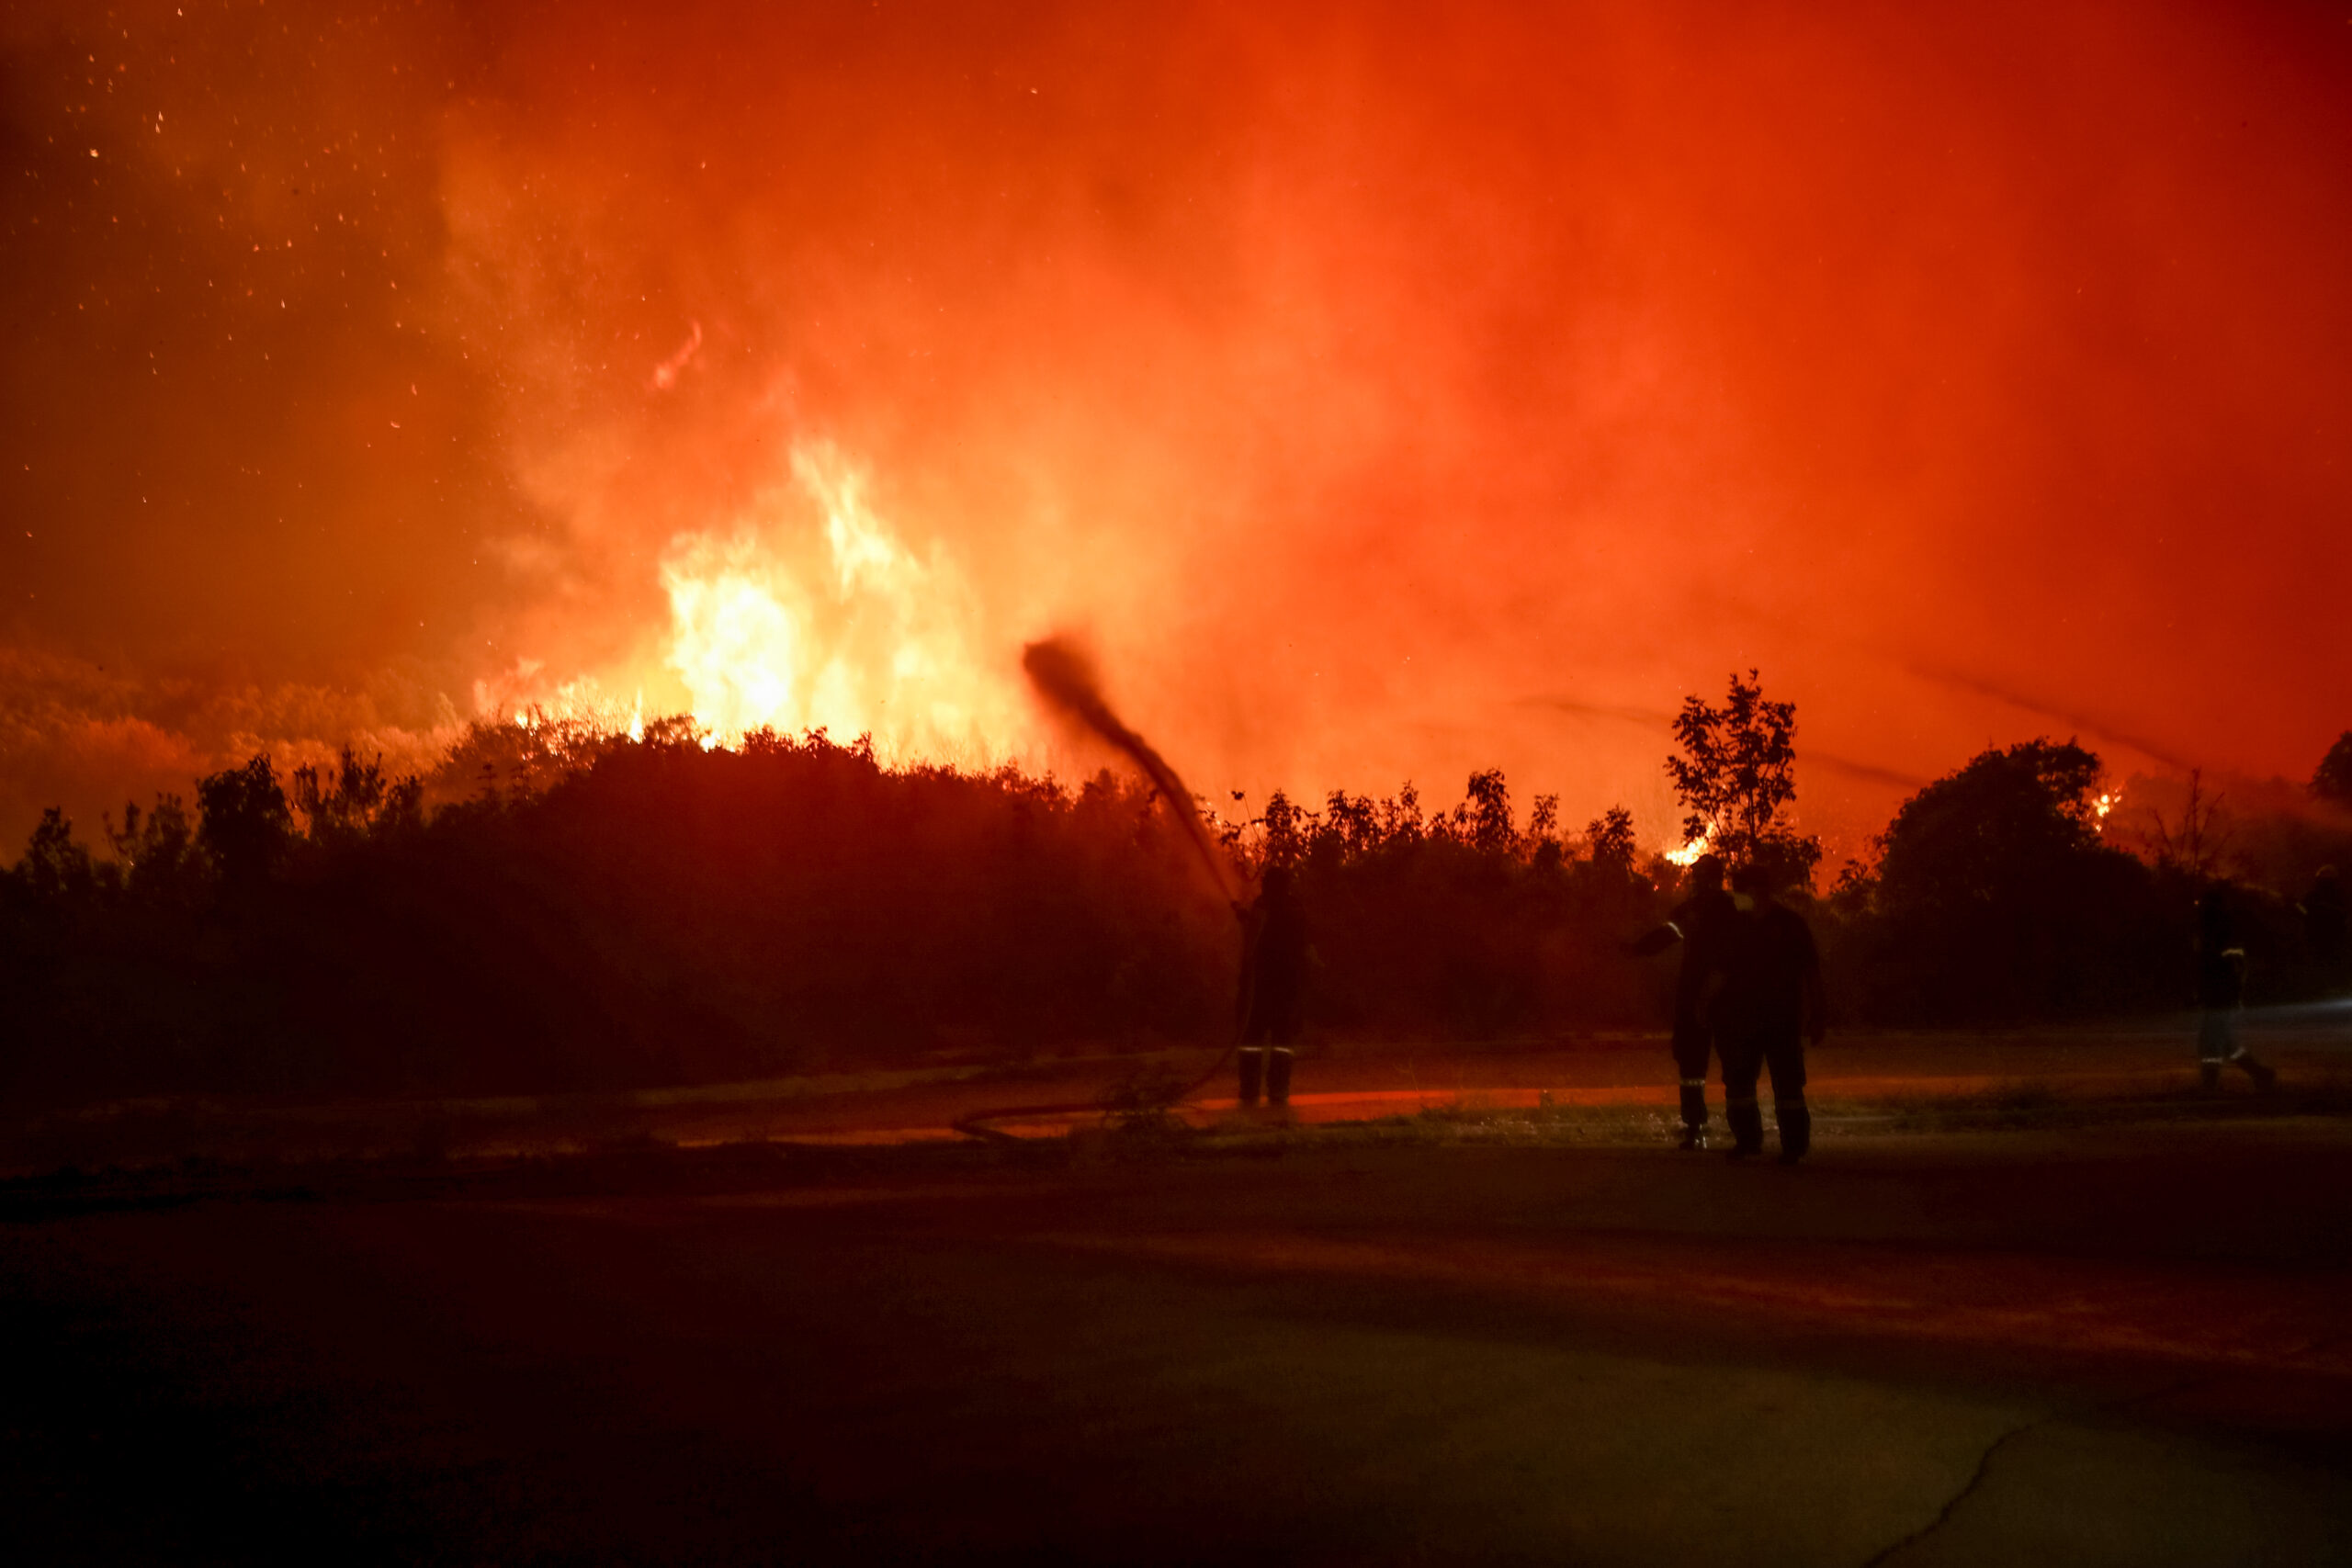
x=1750, y=988
x=1750, y=985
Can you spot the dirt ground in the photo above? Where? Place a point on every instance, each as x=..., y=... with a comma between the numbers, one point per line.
x=2062, y=1323
x=1603, y=1089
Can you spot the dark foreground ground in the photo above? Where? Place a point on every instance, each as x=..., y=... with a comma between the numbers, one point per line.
x=2053, y=1342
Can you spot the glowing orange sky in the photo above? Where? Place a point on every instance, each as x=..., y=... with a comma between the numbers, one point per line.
x=1389, y=396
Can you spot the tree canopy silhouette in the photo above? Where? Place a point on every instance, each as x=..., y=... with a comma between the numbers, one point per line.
x=1998, y=899
x=246, y=822
x=2332, y=780
x=1737, y=778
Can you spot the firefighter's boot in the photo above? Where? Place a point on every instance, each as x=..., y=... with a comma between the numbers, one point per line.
x=1694, y=1114
x=1253, y=1073
x=1278, y=1065
x=1796, y=1128
x=2265, y=1078
x=1746, y=1121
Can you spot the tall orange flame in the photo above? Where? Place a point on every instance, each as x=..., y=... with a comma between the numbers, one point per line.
x=844, y=629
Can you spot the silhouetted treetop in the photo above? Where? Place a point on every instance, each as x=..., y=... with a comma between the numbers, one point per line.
x=353, y=799
x=1994, y=830
x=1610, y=837
x=2332, y=780
x=1995, y=898
x=55, y=867
x=246, y=822
x=1737, y=778
x=156, y=850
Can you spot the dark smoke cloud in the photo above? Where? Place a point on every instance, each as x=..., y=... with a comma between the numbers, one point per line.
x=1357, y=374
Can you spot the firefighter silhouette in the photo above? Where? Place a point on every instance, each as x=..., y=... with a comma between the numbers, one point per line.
x=1769, y=1004
x=1699, y=926
x=2323, y=925
x=2220, y=994
x=1274, y=985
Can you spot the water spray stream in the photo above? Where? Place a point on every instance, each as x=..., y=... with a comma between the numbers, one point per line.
x=1065, y=679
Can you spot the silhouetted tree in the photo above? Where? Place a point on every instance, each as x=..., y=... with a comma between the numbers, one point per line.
x=2193, y=844
x=1487, y=813
x=354, y=800
x=2332, y=780
x=1543, y=833
x=1736, y=776
x=1350, y=825
x=1286, y=830
x=156, y=850
x=1971, y=835
x=1611, y=839
x=1998, y=899
x=56, y=866
x=245, y=821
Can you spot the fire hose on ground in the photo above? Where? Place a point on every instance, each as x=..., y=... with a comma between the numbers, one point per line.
x=976, y=1125
x=1064, y=678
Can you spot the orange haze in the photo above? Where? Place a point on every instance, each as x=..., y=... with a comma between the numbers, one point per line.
x=1384, y=392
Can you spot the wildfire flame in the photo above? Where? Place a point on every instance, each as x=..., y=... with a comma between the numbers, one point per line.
x=806, y=611
x=1689, y=854
x=580, y=701
x=842, y=628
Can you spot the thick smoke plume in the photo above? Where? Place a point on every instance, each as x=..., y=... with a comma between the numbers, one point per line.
x=1064, y=678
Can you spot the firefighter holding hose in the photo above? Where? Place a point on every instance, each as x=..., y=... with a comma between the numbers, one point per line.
x=1269, y=1006
x=1697, y=925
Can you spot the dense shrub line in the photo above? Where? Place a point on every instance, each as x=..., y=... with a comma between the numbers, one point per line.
x=563, y=911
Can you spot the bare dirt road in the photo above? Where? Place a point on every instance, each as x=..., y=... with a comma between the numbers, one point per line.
x=2128, y=1343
